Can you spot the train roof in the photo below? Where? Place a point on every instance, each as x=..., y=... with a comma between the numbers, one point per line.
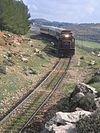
x=55, y=28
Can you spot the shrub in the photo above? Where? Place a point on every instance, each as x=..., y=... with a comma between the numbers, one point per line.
x=89, y=124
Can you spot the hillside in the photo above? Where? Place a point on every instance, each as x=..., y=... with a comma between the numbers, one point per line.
x=90, y=32
x=23, y=63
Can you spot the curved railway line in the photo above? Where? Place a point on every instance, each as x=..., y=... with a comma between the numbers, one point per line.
x=16, y=120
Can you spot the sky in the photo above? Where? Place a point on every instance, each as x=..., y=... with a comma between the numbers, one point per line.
x=72, y=11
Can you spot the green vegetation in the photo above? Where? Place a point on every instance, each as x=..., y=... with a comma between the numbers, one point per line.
x=14, y=16
x=88, y=46
x=22, y=75
x=89, y=124
x=95, y=81
x=84, y=50
x=68, y=88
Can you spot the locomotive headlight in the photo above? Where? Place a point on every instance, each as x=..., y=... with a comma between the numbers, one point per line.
x=66, y=35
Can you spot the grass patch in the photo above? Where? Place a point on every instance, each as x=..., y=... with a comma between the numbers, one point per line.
x=15, y=81
x=84, y=49
x=87, y=45
x=68, y=88
x=11, y=83
x=87, y=58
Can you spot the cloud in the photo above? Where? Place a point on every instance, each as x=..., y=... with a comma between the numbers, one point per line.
x=90, y=9
x=34, y=7
x=65, y=10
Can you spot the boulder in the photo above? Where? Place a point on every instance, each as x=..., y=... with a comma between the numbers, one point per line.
x=71, y=117
x=88, y=88
x=69, y=128
x=83, y=88
x=86, y=102
x=65, y=122
x=79, y=95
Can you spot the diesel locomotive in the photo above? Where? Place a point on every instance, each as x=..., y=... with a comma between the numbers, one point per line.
x=65, y=40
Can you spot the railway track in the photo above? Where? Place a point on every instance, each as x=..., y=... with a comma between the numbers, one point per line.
x=25, y=111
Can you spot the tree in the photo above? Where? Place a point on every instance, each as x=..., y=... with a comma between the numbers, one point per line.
x=14, y=16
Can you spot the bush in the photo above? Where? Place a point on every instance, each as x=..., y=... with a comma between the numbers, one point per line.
x=89, y=124
x=87, y=102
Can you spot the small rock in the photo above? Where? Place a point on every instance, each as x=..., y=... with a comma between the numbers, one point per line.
x=92, y=62
x=97, y=101
x=9, y=54
x=2, y=69
x=9, y=62
x=93, y=53
x=24, y=59
x=37, y=51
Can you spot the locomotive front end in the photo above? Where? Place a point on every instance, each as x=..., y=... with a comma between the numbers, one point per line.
x=66, y=44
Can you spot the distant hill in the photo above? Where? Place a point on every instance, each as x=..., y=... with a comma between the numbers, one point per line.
x=86, y=31
x=41, y=21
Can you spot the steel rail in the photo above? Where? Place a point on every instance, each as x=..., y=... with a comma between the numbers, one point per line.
x=36, y=89
x=45, y=100
x=32, y=94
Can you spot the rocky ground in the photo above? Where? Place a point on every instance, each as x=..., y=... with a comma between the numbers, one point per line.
x=81, y=105
x=59, y=102
x=23, y=62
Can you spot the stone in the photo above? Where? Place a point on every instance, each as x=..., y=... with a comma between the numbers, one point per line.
x=65, y=122
x=83, y=97
x=24, y=59
x=9, y=62
x=69, y=128
x=71, y=117
x=5, y=56
x=9, y=54
x=79, y=95
x=84, y=88
x=28, y=71
x=37, y=51
x=88, y=88
x=98, y=55
x=92, y=62
x=2, y=69
x=53, y=43
x=97, y=101
x=93, y=53
x=98, y=72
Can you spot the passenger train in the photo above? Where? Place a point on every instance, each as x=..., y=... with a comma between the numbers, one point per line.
x=65, y=39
